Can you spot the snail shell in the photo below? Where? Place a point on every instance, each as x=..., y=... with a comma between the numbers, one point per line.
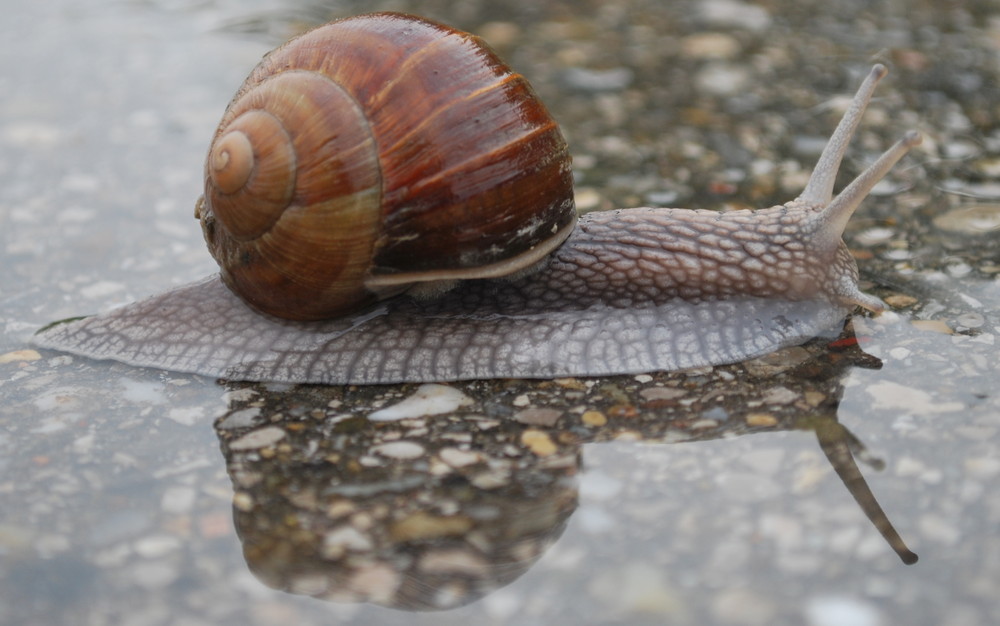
x=374, y=153
x=628, y=291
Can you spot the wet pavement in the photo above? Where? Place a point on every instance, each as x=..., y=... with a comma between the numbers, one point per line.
x=730, y=495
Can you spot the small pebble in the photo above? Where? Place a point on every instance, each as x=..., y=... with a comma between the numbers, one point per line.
x=594, y=418
x=19, y=355
x=423, y=525
x=814, y=398
x=339, y=541
x=722, y=79
x=894, y=396
x=242, y=501
x=239, y=395
x=239, y=419
x=456, y=562
x=900, y=301
x=499, y=34
x=662, y=198
x=587, y=199
x=258, y=438
x=538, y=416
x=584, y=79
x=459, y=458
x=492, y=479
x=873, y=236
x=430, y=399
x=662, y=393
x=841, y=611
x=934, y=326
x=703, y=424
x=710, y=46
x=761, y=419
x=780, y=395
x=538, y=442
x=734, y=14
x=375, y=582
x=399, y=449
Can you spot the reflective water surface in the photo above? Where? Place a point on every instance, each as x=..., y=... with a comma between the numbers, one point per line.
x=786, y=490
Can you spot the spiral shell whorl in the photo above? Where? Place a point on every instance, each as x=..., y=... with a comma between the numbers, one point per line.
x=231, y=161
x=251, y=172
x=295, y=238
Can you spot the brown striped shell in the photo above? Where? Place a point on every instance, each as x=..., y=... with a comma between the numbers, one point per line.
x=375, y=153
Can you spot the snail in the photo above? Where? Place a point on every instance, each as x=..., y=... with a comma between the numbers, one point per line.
x=460, y=254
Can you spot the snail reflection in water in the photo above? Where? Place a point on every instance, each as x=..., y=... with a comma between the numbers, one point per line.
x=385, y=154
x=334, y=512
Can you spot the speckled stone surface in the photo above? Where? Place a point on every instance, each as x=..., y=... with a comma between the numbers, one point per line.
x=131, y=496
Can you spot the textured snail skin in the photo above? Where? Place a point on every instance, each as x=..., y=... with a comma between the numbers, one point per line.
x=478, y=330
x=632, y=290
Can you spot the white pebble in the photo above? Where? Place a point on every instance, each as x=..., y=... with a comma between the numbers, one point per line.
x=240, y=419
x=258, y=439
x=734, y=14
x=399, y=449
x=429, y=399
x=900, y=353
x=459, y=458
x=874, y=236
x=343, y=539
x=890, y=395
x=722, y=79
x=838, y=611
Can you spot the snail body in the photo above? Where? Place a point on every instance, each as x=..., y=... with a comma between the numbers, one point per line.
x=534, y=294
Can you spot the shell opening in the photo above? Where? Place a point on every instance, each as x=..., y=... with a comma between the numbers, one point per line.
x=231, y=162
